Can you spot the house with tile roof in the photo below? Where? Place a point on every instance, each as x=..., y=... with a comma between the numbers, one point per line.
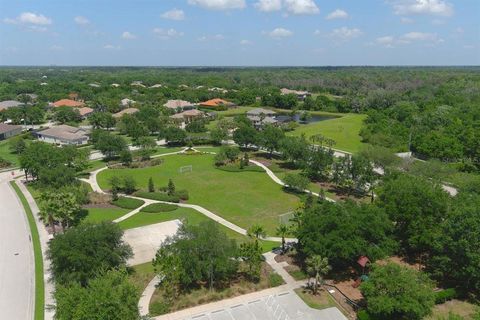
x=64, y=135
x=68, y=103
x=125, y=111
x=179, y=105
x=217, y=103
x=8, y=130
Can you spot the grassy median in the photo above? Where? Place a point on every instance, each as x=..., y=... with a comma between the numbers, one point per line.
x=37, y=252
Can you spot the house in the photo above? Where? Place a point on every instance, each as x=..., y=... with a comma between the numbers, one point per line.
x=64, y=135
x=4, y=105
x=158, y=85
x=115, y=85
x=8, y=130
x=301, y=95
x=261, y=117
x=137, y=84
x=68, y=103
x=43, y=83
x=188, y=116
x=216, y=104
x=125, y=111
x=94, y=85
x=126, y=102
x=179, y=105
x=85, y=112
x=216, y=89
x=73, y=96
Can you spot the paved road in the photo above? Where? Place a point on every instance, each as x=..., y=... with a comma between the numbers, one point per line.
x=17, y=267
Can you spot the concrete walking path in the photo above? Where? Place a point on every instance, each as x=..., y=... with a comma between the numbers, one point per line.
x=44, y=239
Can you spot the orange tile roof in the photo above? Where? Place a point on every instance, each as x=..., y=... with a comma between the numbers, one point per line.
x=68, y=103
x=214, y=102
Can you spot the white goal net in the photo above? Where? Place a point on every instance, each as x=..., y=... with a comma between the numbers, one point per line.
x=185, y=169
x=286, y=217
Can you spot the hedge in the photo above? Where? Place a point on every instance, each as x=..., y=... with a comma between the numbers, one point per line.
x=159, y=196
x=159, y=207
x=236, y=168
x=445, y=295
x=128, y=203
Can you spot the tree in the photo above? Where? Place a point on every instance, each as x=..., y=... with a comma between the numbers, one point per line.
x=416, y=206
x=295, y=149
x=147, y=145
x=380, y=156
x=102, y=120
x=296, y=181
x=170, y=187
x=129, y=184
x=245, y=135
x=256, y=231
x=282, y=231
x=322, y=230
x=110, y=145
x=317, y=266
x=151, y=186
x=17, y=145
x=126, y=157
x=58, y=206
x=67, y=114
x=317, y=162
x=110, y=296
x=79, y=254
x=251, y=254
x=197, y=254
x=270, y=138
x=115, y=186
x=397, y=292
x=174, y=135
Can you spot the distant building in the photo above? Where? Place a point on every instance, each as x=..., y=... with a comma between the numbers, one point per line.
x=94, y=85
x=73, y=96
x=115, y=85
x=8, y=130
x=216, y=89
x=137, y=84
x=179, y=105
x=301, y=95
x=126, y=102
x=85, y=112
x=64, y=135
x=216, y=103
x=188, y=116
x=125, y=111
x=4, y=105
x=261, y=117
x=68, y=103
x=158, y=85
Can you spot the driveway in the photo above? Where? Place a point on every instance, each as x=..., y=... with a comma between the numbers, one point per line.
x=17, y=268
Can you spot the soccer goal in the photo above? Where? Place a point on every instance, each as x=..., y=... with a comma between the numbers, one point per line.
x=185, y=169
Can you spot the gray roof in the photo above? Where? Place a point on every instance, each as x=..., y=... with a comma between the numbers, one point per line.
x=9, y=104
x=4, y=128
x=65, y=132
x=259, y=111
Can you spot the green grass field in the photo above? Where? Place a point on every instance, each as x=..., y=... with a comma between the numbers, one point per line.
x=6, y=154
x=344, y=130
x=37, y=253
x=96, y=215
x=244, y=198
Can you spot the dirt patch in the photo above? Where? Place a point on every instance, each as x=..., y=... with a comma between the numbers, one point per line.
x=99, y=206
x=99, y=200
x=401, y=262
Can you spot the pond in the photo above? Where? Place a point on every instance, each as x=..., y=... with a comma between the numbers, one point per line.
x=311, y=119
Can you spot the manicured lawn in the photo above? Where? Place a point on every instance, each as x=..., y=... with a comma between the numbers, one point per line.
x=96, y=215
x=463, y=309
x=234, y=111
x=37, y=253
x=185, y=214
x=345, y=131
x=141, y=274
x=321, y=300
x=6, y=154
x=163, y=150
x=243, y=198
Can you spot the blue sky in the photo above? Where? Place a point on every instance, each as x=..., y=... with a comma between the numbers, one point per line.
x=240, y=32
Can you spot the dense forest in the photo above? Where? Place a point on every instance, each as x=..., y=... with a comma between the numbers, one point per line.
x=434, y=112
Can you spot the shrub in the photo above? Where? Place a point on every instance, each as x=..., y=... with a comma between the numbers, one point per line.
x=274, y=279
x=159, y=308
x=182, y=194
x=445, y=295
x=159, y=207
x=234, y=168
x=364, y=315
x=128, y=203
x=159, y=196
x=129, y=184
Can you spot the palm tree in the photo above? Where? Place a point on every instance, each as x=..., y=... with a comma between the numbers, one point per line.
x=282, y=231
x=256, y=232
x=318, y=267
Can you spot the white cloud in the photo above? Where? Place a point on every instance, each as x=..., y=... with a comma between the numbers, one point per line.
x=56, y=48
x=166, y=34
x=408, y=38
x=406, y=20
x=345, y=34
x=301, y=7
x=30, y=19
x=219, y=4
x=81, y=20
x=174, y=14
x=268, y=5
x=245, y=42
x=279, y=33
x=111, y=47
x=387, y=41
x=317, y=32
x=216, y=37
x=432, y=7
x=420, y=36
x=128, y=35
x=337, y=14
